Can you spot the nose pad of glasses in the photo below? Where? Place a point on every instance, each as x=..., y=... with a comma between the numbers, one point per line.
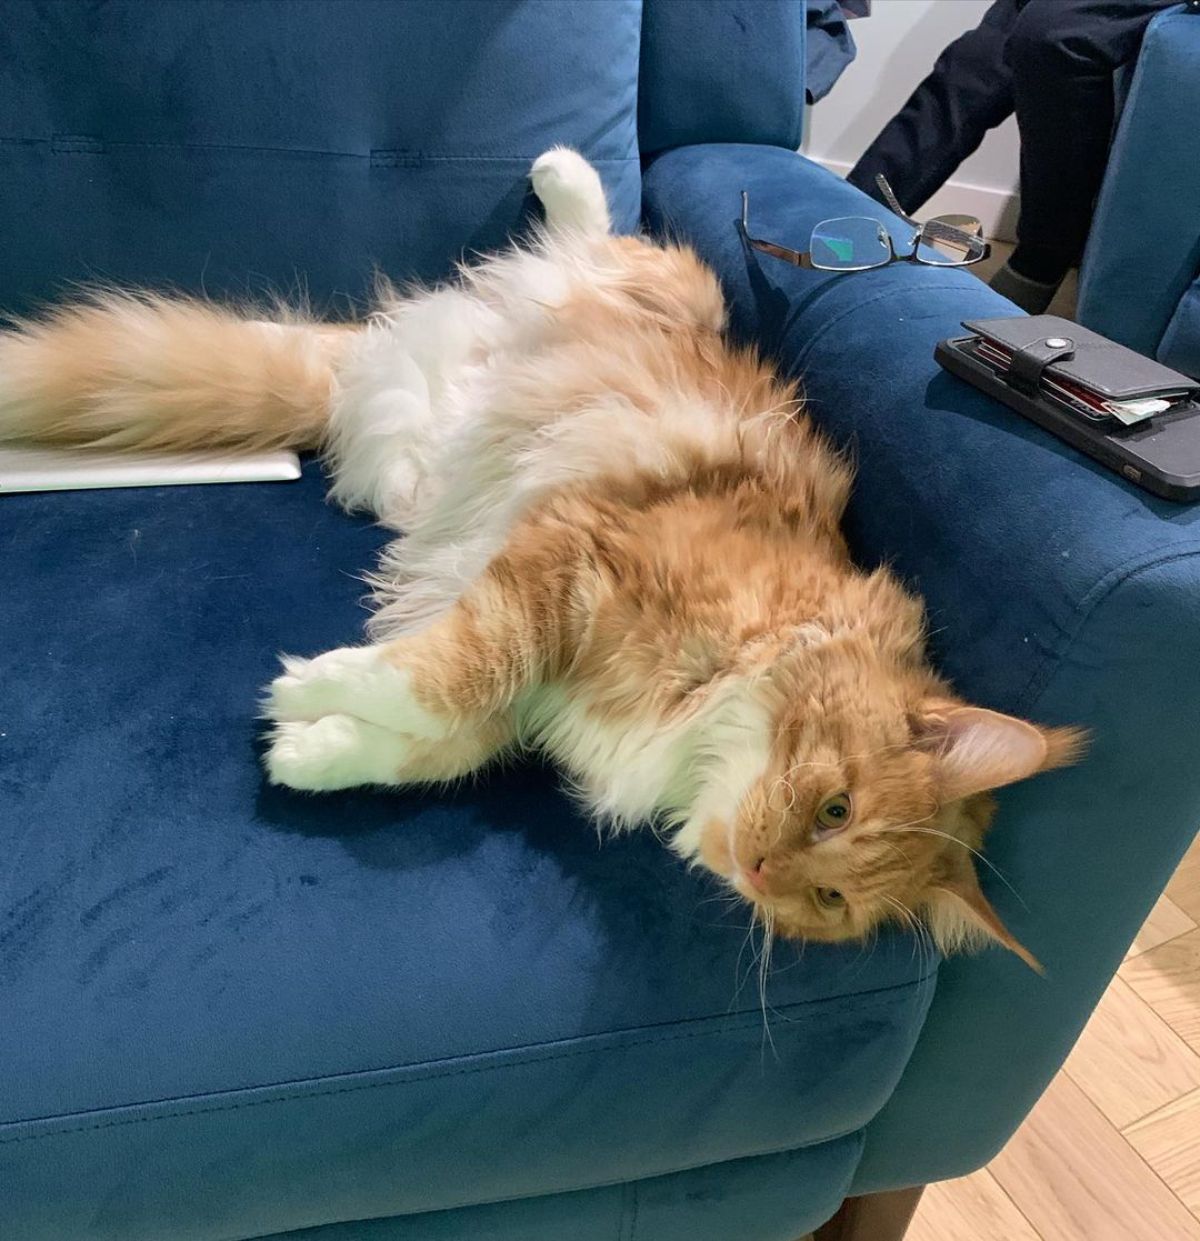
x=850, y=243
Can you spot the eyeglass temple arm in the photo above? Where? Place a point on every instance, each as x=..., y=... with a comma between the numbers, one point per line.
x=932, y=228
x=886, y=190
x=769, y=247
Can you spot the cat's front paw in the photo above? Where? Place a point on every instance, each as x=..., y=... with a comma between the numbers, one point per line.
x=335, y=752
x=355, y=681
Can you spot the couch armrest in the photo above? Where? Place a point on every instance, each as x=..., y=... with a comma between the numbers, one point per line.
x=1144, y=246
x=1055, y=590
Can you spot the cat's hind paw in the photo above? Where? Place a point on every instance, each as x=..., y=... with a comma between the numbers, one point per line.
x=570, y=190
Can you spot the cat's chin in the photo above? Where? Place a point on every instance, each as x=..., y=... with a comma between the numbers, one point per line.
x=715, y=855
x=713, y=848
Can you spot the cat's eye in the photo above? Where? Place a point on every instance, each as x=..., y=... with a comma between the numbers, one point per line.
x=834, y=812
x=830, y=898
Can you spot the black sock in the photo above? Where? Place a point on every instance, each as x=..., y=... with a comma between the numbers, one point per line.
x=1038, y=264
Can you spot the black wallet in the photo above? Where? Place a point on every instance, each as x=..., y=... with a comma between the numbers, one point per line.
x=1127, y=411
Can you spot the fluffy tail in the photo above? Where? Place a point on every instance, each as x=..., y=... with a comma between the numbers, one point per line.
x=148, y=372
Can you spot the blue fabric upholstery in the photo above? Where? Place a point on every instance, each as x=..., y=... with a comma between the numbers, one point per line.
x=244, y=145
x=267, y=1011
x=1143, y=250
x=232, y=1012
x=1055, y=590
x=1180, y=345
x=722, y=72
x=767, y=1197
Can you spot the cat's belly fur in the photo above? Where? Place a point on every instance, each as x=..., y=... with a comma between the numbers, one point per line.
x=443, y=429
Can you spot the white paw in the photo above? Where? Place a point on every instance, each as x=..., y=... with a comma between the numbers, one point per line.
x=570, y=190
x=336, y=752
x=355, y=681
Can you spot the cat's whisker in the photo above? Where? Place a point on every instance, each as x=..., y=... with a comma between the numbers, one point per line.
x=924, y=940
x=740, y=980
x=785, y=782
x=728, y=899
x=930, y=831
x=900, y=827
x=764, y=968
x=912, y=923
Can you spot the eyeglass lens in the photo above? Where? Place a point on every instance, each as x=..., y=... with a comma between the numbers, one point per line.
x=852, y=243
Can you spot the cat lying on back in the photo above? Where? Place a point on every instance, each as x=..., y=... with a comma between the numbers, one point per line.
x=621, y=547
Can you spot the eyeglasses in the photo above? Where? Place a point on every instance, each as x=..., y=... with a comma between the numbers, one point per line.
x=858, y=243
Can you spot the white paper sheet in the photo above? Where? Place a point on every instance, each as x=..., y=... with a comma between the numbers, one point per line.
x=53, y=469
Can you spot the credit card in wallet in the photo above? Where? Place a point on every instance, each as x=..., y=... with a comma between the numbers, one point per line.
x=1081, y=399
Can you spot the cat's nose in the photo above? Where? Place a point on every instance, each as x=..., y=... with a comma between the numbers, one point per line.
x=757, y=874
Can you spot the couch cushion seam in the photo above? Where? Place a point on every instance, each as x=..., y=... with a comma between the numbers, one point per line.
x=862, y=999
x=251, y=149
x=758, y=1153
x=633, y=1222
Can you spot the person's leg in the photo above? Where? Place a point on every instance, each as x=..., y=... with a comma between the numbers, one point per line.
x=1062, y=54
x=968, y=92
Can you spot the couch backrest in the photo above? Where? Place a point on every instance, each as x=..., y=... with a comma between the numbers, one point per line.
x=721, y=71
x=1143, y=250
x=240, y=146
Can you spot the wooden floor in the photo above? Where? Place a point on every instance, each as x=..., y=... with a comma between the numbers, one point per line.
x=1112, y=1152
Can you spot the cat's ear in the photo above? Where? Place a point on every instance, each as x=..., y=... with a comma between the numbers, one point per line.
x=961, y=917
x=977, y=749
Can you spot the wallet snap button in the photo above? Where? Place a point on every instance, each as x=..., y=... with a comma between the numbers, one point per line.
x=1057, y=342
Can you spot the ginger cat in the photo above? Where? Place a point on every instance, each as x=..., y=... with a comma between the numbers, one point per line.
x=621, y=547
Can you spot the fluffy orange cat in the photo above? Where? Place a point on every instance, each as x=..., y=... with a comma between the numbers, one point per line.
x=621, y=548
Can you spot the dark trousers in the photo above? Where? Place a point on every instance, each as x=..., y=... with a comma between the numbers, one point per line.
x=1049, y=61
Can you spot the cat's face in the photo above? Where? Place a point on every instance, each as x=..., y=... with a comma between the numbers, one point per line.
x=871, y=820
x=833, y=848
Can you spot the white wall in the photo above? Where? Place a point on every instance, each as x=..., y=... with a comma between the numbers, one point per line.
x=897, y=46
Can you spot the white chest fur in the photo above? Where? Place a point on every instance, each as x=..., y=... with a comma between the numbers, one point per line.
x=682, y=771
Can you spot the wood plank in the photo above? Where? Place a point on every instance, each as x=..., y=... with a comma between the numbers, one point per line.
x=1168, y=979
x=1184, y=888
x=1169, y=1141
x=1166, y=922
x=1128, y=1061
x=1075, y=1178
x=973, y=1207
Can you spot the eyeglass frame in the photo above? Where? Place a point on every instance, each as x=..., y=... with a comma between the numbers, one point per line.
x=935, y=229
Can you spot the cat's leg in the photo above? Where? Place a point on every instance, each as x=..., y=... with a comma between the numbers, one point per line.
x=390, y=415
x=443, y=695
x=366, y=715
x=571, y=192
x=342, y=751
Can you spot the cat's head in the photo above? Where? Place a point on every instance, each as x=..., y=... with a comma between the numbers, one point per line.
x=871, y=802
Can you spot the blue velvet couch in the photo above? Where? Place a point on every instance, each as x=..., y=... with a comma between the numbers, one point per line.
x=1140, y=278
x=231, y=1012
